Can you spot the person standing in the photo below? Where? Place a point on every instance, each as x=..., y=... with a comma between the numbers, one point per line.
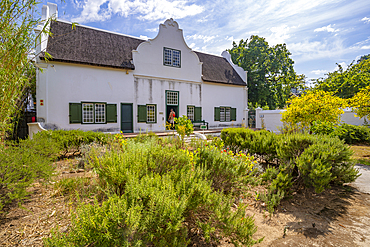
x=171, y=118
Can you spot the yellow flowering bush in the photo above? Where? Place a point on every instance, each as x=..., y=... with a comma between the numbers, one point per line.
x=313, y=106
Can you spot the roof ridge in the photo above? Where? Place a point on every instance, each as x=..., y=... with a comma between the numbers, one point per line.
x=101, y=30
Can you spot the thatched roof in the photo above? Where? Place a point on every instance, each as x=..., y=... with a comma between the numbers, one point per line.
x=96, y=47
x=218, y=69
x=90, y=46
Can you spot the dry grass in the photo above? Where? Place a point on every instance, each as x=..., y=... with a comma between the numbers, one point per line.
x=362, y=154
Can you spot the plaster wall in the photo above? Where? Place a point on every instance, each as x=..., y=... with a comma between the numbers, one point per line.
x=272, y=119
x=152, y=90
x=148, y=58
x=60, y=84
x=217, y=94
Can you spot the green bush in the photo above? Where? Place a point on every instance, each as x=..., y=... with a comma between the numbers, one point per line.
x=227, y=171
x=70, y=141
x=157, y=195
x=311, y=160
x=326, y=161
x=261, y=143
x=351, y=134
x=290, y=147
x=20, y=165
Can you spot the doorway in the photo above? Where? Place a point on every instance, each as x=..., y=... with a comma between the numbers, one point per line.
x=126, y=118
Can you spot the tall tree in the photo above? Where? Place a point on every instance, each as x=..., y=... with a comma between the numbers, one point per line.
x=345, y=83
x=361, y=103
x=271, y=75
x=17, y=23
x=314, y=105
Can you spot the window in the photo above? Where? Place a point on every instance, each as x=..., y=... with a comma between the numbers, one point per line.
x=191, y=113
x=172, y=98
x=194, y=113
x=225, y=114
x=171, y=57
x=147, y=113
x=99, y=113
x=150, y=109
x=88, y=113
x=92, y=113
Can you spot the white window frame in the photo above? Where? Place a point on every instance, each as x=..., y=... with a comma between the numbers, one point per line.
x=225, y=114
x=191, y=112
x=171, y=57
x=172, y=98
x=150, y=113
x=94, y=113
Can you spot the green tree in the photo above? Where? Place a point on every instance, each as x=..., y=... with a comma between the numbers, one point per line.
x=345, y=83
x=17, y=22
x=271, y=75
x=361, y=103
x=313, y=106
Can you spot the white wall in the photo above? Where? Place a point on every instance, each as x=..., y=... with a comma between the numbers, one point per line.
x=217, y=94
x=61, y=83
x=148, y=58
x=272, y=119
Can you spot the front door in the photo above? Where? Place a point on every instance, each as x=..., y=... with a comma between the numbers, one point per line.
x=172, y=102
x=126, y=118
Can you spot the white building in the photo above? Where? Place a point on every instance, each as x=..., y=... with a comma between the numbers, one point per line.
x=105, y=81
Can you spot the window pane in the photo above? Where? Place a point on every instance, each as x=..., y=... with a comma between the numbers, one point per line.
x=167, y=56
x=191, y=113
x=176, y=58
x=172, y=98
x=222, y=114
x=99, y=113
x=227, y=118
x=88, y=113
x=150, y=113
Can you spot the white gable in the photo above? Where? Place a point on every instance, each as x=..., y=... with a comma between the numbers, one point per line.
x=148, y=58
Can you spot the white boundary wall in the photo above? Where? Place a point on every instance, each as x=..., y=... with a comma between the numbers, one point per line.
x=272, y=119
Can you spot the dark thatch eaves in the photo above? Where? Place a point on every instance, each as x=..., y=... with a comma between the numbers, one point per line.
x=95, y=47
x=90, y=46
x=218, y=69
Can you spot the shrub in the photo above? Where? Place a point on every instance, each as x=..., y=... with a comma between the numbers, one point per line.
x=310, y=160
x=351, y=134
x=226, y=170
x=183, y=126
x=157, y=195
x=261, y=143
x=71, y=140
x=20, y=165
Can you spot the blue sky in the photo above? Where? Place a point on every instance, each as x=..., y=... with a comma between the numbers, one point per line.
x=318, y=33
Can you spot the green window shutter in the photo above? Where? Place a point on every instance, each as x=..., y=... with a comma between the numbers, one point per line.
x=75, y=113
x=233, y=114
x=198, y=113
x=155, y=112
x=217, y=113
x=111, y=113
x=141, y=113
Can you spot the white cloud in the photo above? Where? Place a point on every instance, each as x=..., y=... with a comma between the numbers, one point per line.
x=365, y=47
x=231, y=38
x=151, y=10
x=279, y=34
x=144, y=37
x=201, y=37
x=152, y=29
x=342, y=64
x=319, y=71
x=328, y=28
x=366, y=19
